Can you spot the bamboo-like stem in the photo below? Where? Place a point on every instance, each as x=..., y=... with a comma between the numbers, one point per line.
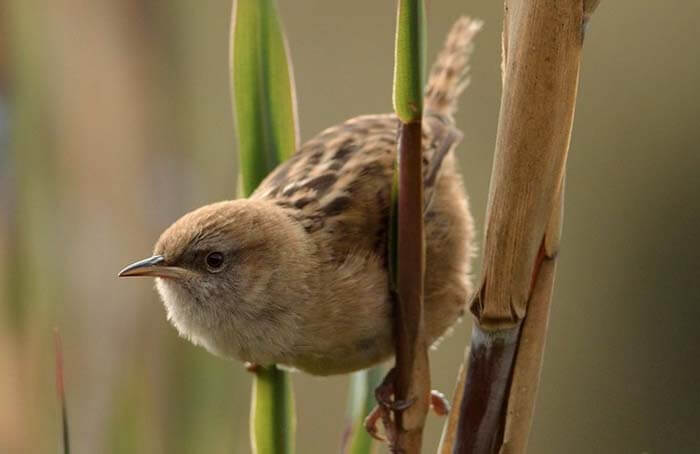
x=267, y=129
x=526, y=376
x=486, y=388
x=412, y=383
x=542, y=44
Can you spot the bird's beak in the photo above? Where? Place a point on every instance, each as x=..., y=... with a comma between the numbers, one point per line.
x=153, y=266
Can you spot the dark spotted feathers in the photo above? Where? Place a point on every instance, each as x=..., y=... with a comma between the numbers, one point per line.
x=337, y=186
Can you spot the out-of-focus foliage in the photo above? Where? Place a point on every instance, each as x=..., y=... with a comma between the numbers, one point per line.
x=361, y=401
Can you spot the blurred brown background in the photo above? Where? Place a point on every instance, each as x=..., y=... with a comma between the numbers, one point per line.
x=115, y=119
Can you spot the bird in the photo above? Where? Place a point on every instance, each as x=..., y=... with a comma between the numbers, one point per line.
x=297, y=273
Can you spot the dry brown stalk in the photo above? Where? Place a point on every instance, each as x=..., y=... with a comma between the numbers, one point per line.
x=526, y=373
x=542, y=43
x=412, y=368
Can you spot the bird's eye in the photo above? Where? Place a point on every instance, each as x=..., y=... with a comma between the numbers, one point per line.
x=215, y=261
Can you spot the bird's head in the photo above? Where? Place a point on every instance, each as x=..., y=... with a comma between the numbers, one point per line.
x=229, y=275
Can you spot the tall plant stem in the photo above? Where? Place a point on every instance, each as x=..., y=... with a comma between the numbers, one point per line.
x=542, y=43
x=407, y=250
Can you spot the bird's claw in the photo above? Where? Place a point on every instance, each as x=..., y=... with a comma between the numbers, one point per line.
x=439, y=403
x=385, y=394
x=371, y=423
x=253, y=368
x=386, y=404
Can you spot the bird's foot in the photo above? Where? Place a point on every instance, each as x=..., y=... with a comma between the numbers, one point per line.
x=252, y=367
x=386, y=404
x=439, y=403
x=385, y=394
x=371, y=423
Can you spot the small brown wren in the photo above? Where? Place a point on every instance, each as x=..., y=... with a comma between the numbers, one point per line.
x=296, y=274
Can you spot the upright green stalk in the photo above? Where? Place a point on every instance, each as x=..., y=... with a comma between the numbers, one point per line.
x=263, y=90
x=409, y=80
x=407, y=250
x=272, y=417
x=409, y=66
x=266, y=125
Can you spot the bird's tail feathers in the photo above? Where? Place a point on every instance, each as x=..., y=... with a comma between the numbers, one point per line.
x=449, y=74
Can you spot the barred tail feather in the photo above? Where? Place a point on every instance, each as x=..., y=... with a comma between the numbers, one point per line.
x=449, y=74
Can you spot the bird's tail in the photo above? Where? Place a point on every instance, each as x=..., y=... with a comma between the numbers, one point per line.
x=449, y=74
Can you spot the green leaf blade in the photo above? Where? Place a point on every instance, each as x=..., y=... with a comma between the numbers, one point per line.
x=264, y=108
x=263, y=91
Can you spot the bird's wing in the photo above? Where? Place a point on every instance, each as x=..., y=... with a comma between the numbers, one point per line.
x=338, y=185
x=440, y=137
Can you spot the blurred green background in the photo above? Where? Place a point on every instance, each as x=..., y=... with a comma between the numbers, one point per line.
x=115, y=119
